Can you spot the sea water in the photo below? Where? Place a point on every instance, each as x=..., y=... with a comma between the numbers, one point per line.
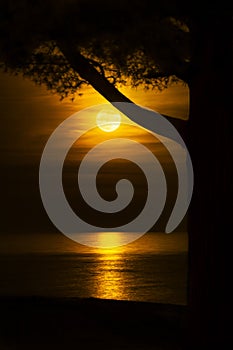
x=153, y=268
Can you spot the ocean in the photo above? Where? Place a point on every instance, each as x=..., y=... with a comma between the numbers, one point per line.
x=153, y=268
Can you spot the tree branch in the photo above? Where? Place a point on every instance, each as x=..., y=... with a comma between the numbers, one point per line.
x=100, y=83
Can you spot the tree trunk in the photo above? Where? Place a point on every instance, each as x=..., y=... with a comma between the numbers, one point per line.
x=210, y=153
x=209, y=296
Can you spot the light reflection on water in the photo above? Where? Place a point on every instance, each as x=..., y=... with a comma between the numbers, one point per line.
x=110, y=279
x=153, y=268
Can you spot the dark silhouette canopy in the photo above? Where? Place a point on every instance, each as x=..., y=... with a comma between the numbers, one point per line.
x=120, y=43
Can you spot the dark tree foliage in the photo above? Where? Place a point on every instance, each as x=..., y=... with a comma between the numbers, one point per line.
x=119, y=42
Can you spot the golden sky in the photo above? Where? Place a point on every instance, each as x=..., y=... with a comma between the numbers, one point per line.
x=29, y=114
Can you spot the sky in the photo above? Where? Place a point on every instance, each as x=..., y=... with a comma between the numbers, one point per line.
x=29, y=114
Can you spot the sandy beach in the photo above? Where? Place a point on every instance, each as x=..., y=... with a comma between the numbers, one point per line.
x=67, y=323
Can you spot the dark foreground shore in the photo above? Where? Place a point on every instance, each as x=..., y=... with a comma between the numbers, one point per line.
x=62, y=323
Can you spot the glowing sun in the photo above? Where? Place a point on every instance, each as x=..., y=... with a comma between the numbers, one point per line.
x=108, y=120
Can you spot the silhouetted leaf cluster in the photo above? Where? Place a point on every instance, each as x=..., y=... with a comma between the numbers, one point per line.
x=134, y=47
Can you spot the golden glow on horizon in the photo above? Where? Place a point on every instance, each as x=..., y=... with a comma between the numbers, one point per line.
x=108, y=120
x=110, y=242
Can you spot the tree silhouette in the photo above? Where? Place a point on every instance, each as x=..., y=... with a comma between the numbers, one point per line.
x=71, y=49
x=66, y=44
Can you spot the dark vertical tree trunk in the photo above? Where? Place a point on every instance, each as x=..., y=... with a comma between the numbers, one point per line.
x=209, y=144
x=211, y=149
